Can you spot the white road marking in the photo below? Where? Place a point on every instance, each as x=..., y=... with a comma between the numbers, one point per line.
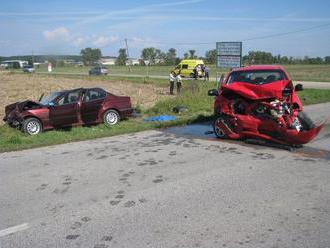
x=13, y=229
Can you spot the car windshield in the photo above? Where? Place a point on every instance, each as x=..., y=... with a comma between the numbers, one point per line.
x=256, y=77
x=47, y=99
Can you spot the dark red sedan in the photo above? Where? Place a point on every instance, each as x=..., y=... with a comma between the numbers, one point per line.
x=68, y=108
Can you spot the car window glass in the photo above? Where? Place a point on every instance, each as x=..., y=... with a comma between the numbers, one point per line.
x=94, y=94
x=69, y=98
x=184, y=66
x=256, y=77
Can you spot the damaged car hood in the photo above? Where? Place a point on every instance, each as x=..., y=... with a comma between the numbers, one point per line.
x=259, y=91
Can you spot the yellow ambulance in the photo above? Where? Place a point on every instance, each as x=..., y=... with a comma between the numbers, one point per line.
x=187, y=66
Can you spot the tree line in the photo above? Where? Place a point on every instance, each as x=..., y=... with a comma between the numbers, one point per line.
x=156, y=56
x=152, y=55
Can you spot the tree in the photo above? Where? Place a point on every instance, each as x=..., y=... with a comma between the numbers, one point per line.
x=122, y=57
x=186, y=55
x=327, y=59
x=53, y=61
x=171, y=57
x=192, y=54
x=90, y=56
x=259, y=57
x=149, y=53
x=211, y=56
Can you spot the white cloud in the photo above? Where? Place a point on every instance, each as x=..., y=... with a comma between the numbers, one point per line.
x=57, y=34
x=137, y=42
x=103, y=41
x=79, y=42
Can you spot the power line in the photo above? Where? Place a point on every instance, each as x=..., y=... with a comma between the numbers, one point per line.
x=288, y=33
x=248, y=39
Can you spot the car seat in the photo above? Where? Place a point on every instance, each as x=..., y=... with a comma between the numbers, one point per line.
x=73, y=99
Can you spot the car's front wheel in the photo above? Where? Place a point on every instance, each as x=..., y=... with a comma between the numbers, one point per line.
x=218, y=131
x=32, y=126
x=111, y=117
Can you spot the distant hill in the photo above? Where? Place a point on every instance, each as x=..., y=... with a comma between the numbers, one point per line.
x=42, y=58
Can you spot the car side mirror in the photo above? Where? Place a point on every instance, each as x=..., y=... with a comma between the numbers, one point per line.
x=299, y=87
x=286, y=92
x=213, y=92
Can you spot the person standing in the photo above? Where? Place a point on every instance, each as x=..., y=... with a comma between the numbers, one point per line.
x=178, y=80
x=172, y=79
x=206, y=73
x=195, y=73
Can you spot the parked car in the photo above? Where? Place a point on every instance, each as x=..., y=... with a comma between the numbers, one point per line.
x=28, y=68
x=98, y=70
x=68, y=108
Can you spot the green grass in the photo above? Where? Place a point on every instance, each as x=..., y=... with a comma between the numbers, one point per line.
x=200, y=107
x=313, y=96
x=319, y=73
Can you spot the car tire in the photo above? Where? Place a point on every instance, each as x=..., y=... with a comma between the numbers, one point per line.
x=218, y=130
x=32, y=126
x=305, y=121
x=111, y=117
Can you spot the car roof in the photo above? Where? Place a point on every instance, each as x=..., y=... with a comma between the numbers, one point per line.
x=63, y=91
x=259, y=67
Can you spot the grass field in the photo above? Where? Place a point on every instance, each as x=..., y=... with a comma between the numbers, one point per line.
x=318, y=73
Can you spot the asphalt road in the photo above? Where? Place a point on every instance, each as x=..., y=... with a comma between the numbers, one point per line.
x=169, y=188
x=307, y=84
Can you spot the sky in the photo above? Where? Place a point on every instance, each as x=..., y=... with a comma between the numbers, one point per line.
x=291, y=28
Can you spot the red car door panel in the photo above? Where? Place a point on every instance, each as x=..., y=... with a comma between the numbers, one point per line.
x=66, y=109
x=92, y=104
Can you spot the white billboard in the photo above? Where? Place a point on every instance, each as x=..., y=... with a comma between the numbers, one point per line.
x=229, y=54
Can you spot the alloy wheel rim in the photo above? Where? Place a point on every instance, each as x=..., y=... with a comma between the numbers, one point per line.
x=33, y=127
x=219, y=132
x=111, y=118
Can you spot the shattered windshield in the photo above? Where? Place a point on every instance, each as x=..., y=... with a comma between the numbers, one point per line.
x=47, y=99
x=256, y=77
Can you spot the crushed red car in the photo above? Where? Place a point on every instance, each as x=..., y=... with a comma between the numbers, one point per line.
x=261, y=103
x=68, y=108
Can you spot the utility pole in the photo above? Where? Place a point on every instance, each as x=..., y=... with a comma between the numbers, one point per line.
x=129, y=64
x=32, y=58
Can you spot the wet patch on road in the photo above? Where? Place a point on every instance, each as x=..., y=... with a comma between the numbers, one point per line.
x=42, y=187
x=129, y=204
x=76, y=225
x=102, y=157
x=158, y=179
x=308, y=153
x=150, y=161
x=72, y=236
x=101, y=246
x=61, y=190
x=203, y=131
x=262, y=155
